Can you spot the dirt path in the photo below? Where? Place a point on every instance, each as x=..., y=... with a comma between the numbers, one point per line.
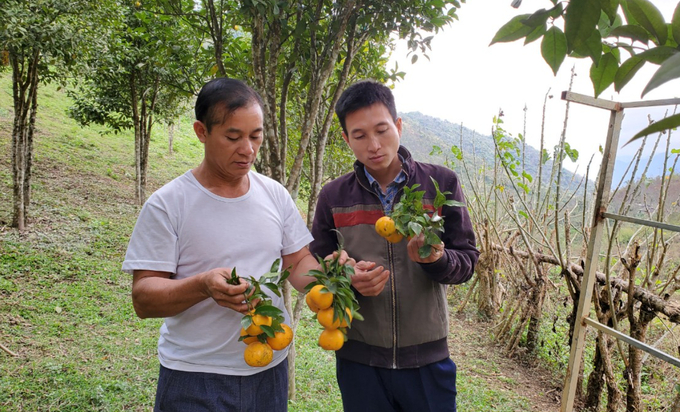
x=476, y=355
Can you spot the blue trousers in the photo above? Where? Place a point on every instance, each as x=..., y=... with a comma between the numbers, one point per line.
x=426, y=389
x=209, y=392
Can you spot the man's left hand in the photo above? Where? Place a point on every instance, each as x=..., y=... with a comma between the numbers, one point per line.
x=416, y=243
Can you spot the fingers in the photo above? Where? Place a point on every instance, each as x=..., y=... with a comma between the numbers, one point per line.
x=344, y=259
x=413, y=248
x=368, y=279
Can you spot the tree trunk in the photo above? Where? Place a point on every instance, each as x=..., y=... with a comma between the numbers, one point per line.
x=171, y=137
x=25, y=96
x=595, y=382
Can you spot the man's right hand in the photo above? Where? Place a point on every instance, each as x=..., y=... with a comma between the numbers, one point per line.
x=368, y=279
x=226, y=294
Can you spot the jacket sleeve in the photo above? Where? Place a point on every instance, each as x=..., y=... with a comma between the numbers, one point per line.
x=325, y=239
x=460, y=252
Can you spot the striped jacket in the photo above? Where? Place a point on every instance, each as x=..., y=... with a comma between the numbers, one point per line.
x=406, y=326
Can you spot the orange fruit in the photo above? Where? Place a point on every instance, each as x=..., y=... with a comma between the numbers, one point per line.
x=281, y=339
x=325, y=318
x=249, y=339
x=331, y=339
x=321, y=299
x=312, y=306
x=258, y=354
x=385, y=226
x=258, y=320
x=395, y=237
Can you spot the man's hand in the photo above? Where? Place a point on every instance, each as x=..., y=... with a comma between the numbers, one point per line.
x=368, y=279
x=225, y=294
x=416, y=243
x=343, y=260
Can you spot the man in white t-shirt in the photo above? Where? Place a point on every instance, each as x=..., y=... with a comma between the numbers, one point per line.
x=189, y=236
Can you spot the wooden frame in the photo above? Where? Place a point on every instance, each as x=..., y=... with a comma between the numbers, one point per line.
x=597, y=229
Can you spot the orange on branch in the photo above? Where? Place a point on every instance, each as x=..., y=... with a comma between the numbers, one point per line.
x=321, y=299
x=258, y=354
x=325, y=318
x=258, y=320
x=249, y=339
x=281, y=339
x=331, y=339
x=385, y=226
x=312, y=306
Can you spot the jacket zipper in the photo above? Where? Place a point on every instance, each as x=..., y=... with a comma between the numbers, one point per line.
x=390, y=259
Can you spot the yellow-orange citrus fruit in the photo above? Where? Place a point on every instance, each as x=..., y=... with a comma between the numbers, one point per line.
x=325, y=318
x=312, y=306
x=281, y=339
x=249, y=339
x=331, y=339
x=385, y=226
x=344, y=323
x=395, y=237
x=258, y=354
x=258, y=320
x=321, y=299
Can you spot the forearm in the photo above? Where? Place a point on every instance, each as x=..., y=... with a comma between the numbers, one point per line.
x=299, y=274
x=159, y=297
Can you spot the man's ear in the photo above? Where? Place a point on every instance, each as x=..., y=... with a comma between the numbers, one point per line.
x=398, y=124
x=345, y=138
x=200, y=130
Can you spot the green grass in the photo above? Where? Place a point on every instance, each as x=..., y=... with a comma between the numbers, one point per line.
x=65, y=306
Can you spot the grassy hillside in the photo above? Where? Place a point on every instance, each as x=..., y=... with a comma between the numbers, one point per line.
x=65, y=307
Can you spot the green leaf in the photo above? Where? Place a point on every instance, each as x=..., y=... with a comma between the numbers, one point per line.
x=554, y=48
x=670, y=122
x=580, y=22
x=513, y=30
x=527, y=176
x=592, y=47
x=540, y=17
x=658, y=55
x=669, y=70
x=535, y=34
x=627, y=71
x=649, y=17
x=629, y=31
x=523, y=213
x=675, y=24
x=610, y=7
x=602, y=75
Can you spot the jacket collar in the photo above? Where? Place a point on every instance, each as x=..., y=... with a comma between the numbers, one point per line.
x=407, y=166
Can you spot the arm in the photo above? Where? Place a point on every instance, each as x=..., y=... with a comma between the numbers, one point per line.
x=155, y=295
x=453, y=261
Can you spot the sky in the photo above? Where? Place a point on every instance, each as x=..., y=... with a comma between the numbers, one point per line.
x=467, y=81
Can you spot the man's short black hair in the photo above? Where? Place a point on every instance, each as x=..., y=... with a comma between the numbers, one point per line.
x=223, y=96
x=364, y=94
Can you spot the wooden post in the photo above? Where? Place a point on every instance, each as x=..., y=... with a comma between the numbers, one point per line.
x=592, y=257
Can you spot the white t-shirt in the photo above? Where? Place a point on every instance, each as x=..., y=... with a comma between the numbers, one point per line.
x=185, y=229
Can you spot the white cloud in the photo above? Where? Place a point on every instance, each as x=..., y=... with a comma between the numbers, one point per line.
x=467, y=81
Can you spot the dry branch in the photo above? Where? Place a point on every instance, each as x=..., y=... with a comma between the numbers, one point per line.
x=656, y=303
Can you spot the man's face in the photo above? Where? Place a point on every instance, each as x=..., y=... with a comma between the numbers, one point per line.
x=231, y=147
x=374, y=138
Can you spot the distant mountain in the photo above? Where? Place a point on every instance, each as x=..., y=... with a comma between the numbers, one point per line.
x=622, y=169
x=421, y=132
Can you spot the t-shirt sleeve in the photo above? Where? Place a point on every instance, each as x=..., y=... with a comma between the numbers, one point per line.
x=295, y=232
x=153, y=244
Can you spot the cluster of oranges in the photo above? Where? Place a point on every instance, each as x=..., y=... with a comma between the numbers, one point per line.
x=410, y=218
x=332, y=300
x=320, y=301
x=261, y=345
x=262, y=328
x=386, y=228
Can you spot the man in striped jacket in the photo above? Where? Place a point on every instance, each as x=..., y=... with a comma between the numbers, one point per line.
x=397, y=358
